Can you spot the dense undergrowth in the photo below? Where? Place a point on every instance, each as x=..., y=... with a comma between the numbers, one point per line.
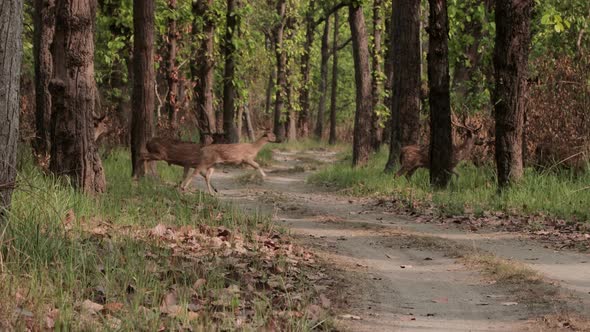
x=561, y=195
x=143, y=256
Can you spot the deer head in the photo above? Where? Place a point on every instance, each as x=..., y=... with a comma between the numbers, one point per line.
x=463, y=150
x=100, y=125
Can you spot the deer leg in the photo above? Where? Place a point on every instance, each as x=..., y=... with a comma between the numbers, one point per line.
x=410, y=172
x=208, y=179
x=187, y=180
x=204, y=175
x=256, y=166
x=400, y=172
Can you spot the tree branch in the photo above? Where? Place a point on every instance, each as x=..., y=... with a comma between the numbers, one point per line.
x=330, y=12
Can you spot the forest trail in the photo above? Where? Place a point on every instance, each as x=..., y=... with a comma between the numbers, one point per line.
x=400, y=275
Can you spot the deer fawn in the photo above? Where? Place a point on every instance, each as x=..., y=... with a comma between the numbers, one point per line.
x=235, y=154
x=413, y=157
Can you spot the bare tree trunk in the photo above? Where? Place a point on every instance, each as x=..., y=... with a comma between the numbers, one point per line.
x=333, y=95
x=249, y=126
x=510, y=64
x=240, y=122
x=11, y=27
x=441, y=141
x=142, y=119
x=405, y=95
x=202, y=68
x=361, y=147
x=281, y=56
x=325, y=56
x=388, y=84
x=44, y=22
x=73, y=95
x=305, y=71
x=376, y=130
x=269, y=88
x=172, y=69
x=229, y=89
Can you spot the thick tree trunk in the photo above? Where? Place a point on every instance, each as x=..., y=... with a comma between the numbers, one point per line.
x=325, y=56
x=281, y=56
x=172, y=69
x=202, y=68
x=376, y=130
x=229, y=89
x=388, y=84
x=361, y=147
x=73, y=95
x=441, y=141
x=11, y=34
x=303, y=122
x=142, y=119
x=44, y=22
x=333, y=95
x=405, y=95
x=510, y=63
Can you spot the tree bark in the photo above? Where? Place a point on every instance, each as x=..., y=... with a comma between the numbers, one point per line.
x=361, y=148
x=249, y=126
x=510, y=63
x=303, y=122
x=172, y=69
x=441, y=141
x=325, y=56
x=202, y=68
x=405, y=95
x=376, y=130
x=388, y=84
x=281, y=56
x=142, y=119
x=11, y=50
x=73, y=95
x=229, y=89
x=44, y=22
x=333, y=95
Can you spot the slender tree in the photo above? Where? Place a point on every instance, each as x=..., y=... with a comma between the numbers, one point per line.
x=376, y=86
x=333, y=94
x=388, y=72
x=441, y=141
x=202, y=68
x=281, y=56
x=511, y=53
x=325, y=56
x=73, y=96
x=142, y=119
x=172, y=68
x=303, y=122
x=405, y=94
x=11, y=27
x=362, y=120
x=229, y=89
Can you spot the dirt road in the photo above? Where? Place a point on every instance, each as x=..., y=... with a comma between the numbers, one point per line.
x=400, y=277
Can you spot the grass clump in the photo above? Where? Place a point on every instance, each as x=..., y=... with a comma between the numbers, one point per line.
x=559, y=195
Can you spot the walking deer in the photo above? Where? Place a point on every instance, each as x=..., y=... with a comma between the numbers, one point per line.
x=234, y=154
x=413, y=157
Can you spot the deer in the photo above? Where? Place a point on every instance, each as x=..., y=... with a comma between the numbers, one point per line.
x=232, y=154
x=413, y=157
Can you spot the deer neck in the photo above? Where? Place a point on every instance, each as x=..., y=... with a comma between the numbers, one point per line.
x=465, y=148
x=260, y=143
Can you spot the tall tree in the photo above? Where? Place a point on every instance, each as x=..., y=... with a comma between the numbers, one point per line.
x=361, y=147
x=229, y=89
x=142, y=119
x=44, y=22
x=333, y=94
x=11, y=27
x=73, y=96
x=511, y=53
x=441, y=141
x=303, y=122
x=388, y=72
x=202, y=68
x=281, y=56
x=376, y=131
x=405, y=94
x=325, y=56
x=171, y=67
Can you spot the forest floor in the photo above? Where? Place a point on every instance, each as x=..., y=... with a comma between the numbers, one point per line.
x=391, y=272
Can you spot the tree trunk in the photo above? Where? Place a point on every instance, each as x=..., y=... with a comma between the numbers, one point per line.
x=202, y=68
x=229, y=89
x=172, y=69
x=325, y=56
x=142, y=119
x=11, y=34
x=388, y=84
x=281, y=56
x=333, y=95
x=441, y=141
x=303, y=122
x=44, y=22
x=269, y=88
x=405, y=94
x=376, y=130
x=249, y=126
x=361, y=147
x=73, y=95
x=510, y=63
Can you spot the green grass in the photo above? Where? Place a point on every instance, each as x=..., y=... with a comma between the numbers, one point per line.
x=560, y=195
x=44, y=265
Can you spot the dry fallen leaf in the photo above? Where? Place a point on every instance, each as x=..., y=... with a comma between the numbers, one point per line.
x=199, y=283
x=325, y=301
x=158, y=231
x=50, y=318
x=349, y=316
x=112, y=307
x=90, y=307
x=441, y=300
